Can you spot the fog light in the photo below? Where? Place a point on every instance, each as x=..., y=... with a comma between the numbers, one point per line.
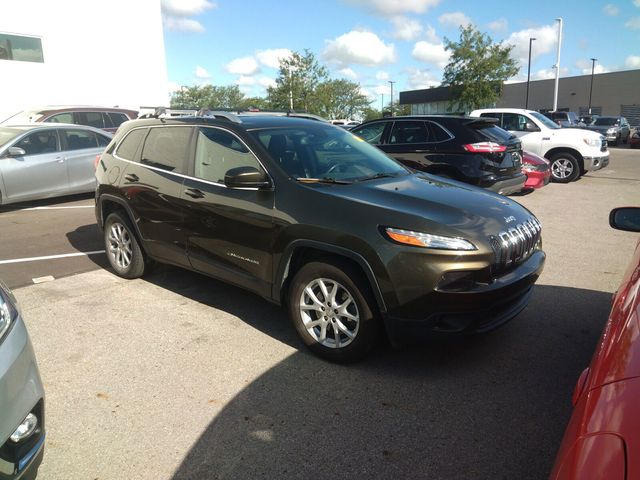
x=26, y=428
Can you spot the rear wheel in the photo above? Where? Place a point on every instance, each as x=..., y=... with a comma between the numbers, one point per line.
x=333, y=311
x=122, y=247
x=564, y=167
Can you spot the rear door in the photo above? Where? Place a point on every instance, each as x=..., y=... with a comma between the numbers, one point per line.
x=152, y=182
x=40, y=173
x=229, y=230
x=80, y=148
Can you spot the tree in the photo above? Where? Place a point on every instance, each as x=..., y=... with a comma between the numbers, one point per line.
x=339, y=99
x=295, y=87
x=477, y=69
x=370, y=114
x=209, y=96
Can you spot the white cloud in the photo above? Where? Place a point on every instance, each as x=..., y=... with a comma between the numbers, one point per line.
x=632, y=61
x=172, y=86
x=636, y=3
x=244, y=80
x=182, y=24
x=271, y=58
x=243, y=66
x=548, y=73
x=633, y=23
x=359, y=47
x=395, y=7
x=382, y=75
x=431, y=35
x=419, y=79
x=202, y=73
x=545, y=42
x=611, y=10
x=347, y=72
x=406, y=28
x=500, y=25
x=585, y=67
x=267, y=82
x=433, y=53
x=186, y=8
x=454, y=19
x=175, y=13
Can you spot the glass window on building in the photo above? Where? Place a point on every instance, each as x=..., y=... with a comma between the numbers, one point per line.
x=21, y=48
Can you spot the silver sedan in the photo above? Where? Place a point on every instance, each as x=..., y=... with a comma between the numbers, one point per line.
x=42, y=161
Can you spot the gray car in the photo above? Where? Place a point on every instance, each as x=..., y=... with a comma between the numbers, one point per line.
x=22, y=428
x=45, y=160
x=615, y=129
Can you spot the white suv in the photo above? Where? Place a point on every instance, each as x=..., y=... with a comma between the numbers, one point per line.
x=571, y=151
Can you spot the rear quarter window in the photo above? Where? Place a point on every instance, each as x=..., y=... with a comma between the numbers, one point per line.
x=129, y=145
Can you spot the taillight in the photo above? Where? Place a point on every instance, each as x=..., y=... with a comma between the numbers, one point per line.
x=484, y=147
x=96, y=162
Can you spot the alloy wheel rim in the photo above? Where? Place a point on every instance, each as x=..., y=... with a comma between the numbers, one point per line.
x=562, y=168
x=329, y=313
x=120, y=245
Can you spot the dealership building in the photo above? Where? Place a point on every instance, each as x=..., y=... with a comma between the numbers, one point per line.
x=81, y=52
x=614, y=93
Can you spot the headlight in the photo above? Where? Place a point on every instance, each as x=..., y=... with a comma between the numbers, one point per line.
x=611, y=130
x=8, y=312
x=419, y=239
x=592, y=142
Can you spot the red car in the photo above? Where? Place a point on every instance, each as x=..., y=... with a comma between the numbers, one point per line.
x=536, y=169
x=634, y=140
x=602, y=440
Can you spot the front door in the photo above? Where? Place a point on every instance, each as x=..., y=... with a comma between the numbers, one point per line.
x=40, y=173
x=229, y=230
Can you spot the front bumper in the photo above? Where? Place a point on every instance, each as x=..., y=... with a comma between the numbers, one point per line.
x=591, y=164
x=480, y=309
x=21, y=392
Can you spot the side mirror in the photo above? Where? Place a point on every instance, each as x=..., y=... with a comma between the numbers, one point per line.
x=16, y=152
x=625, y=218
x=246, y=177
x=531, y=127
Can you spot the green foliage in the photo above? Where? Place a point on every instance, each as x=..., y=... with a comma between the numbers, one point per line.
x=477, y=69
x=337, y=99
x=370, y=114
x=209, y=96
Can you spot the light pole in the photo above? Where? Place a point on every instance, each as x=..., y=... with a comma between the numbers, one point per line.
x=382, y=105
x=593, y=66
x=392, y=82
x=526, y=102
x=555, y=91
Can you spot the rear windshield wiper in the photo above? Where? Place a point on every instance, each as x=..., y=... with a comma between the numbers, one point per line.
x=323, y=180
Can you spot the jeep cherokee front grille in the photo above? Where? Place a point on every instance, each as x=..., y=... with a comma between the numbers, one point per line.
x=515, y=245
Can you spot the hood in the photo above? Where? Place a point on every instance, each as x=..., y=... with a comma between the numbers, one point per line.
x=572, y=134
x=601, y=128
x=426, y=202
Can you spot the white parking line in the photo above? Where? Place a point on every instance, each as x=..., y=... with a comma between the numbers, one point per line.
x=50, y=257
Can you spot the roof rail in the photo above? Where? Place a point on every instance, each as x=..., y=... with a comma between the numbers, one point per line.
x=157, y=113
x=205, y=112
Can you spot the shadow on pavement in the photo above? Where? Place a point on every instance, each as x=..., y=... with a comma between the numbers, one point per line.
x=493, y=406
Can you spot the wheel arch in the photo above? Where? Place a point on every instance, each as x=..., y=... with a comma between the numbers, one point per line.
x=108, y=204
x=300, y=252
x=554, y=151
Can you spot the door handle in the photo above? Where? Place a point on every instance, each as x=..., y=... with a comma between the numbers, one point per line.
x=60, y=159
x=194, y=193
x=132, y=177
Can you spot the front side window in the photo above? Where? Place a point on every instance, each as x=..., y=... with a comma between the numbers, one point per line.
x=21, y=48
x=544, y=120
x=80, y=139
x=66, y=117
x=409, y=132
x=129, y=146
x=371, y=133
x=167, y=148
x=217, y=152
x=39, y=142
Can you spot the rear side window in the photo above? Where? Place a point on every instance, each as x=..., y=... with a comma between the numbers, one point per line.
x=117, y=118
x=93, y=119
x=409, y=132
x=80, y=139
x=492, y=115
x=129, y=146
x=167, y=148
x=217, y=152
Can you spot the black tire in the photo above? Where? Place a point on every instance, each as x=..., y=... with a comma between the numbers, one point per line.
x=352, y=297
x=618, y=140
x=564, y=167
x=122, y=247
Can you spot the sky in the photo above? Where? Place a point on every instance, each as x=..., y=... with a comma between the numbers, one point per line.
x=372, y=42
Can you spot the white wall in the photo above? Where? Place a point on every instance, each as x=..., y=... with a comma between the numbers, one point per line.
x=104, y=53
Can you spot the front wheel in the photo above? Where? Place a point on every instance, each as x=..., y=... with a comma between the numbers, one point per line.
x=122, y=247
x=564, y=168
x=333, y=311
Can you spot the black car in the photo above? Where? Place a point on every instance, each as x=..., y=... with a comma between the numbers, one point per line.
x=471, y=150
x=309, y=216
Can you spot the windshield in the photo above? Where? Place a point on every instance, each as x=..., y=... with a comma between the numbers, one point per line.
x=605, y=121
x=544, y=120
x=8, y=134
x=23, y=118
x=323, y=152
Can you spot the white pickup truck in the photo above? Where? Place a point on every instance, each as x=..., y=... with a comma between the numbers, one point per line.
x=571, y=151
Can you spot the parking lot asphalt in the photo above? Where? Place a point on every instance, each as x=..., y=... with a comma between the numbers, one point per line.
x=178, y=376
